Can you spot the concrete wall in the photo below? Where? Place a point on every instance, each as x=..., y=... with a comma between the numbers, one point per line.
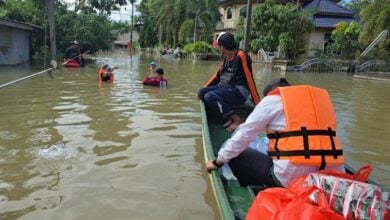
x=230, y=23
x=316, y=40
x=14, y=46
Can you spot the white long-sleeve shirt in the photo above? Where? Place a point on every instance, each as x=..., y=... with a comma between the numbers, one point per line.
x=267, y=116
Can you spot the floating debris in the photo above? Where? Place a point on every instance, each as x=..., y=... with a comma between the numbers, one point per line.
x=57, y=151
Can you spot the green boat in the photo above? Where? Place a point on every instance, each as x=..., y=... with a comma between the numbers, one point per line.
x=233, y=200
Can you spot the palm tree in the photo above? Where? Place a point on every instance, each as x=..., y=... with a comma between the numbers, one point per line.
x=170, y=16
x=206, y=14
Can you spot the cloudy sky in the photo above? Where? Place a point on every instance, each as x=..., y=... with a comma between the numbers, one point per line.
x=124, y=14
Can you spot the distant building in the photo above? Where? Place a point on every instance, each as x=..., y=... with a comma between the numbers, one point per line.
x=15, y=40
x=122, y=40
x=328, y=14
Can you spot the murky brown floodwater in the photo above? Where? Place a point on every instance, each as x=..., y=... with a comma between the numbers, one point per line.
x=135, y=152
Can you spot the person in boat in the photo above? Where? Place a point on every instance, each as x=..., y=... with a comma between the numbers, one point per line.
x=73, y=53
x=300, y=124
x=231, y=85
x=106, y=73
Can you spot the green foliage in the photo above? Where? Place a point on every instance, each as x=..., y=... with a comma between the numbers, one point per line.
x=148, y=36
x=346, y=38
x=240, y=32
x=199, y=47
x=172, y=18
x=101, y=7
x=378, y=53
x=28, y=11
x=25, y=11
x=319, y=52
x=186, y=31
x=274, y=24
x=376, y=18
x=286, y=40
x=148, y=32
x=91, y=30
x=356, y=6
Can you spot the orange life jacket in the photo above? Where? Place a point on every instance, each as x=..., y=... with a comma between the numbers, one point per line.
x=101, y=72
x=310, y=134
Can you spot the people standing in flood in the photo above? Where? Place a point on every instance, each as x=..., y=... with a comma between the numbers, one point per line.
x=106, y=73
x=157, y=74
x=156, y=79
x=152, y=68
x=231, y=85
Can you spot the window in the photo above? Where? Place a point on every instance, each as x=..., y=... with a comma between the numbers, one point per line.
x=243, y=11
x=229, y=13
x=328, y=46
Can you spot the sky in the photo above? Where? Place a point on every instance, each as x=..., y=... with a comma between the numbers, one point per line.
x=124, y=14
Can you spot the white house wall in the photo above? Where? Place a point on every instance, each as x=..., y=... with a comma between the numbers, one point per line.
x=316, y=40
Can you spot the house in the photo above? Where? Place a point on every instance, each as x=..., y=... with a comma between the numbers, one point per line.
x=122, y=40
x=325, y=19
x=328, y=14
x=15, y=40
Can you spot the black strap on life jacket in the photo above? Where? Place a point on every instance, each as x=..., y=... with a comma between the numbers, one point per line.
x=306, y=152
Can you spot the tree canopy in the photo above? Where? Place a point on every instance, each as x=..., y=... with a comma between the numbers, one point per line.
x=375, y=19
x=346, y=38
x=179, y=20
x=91, y=28
x=275, y=24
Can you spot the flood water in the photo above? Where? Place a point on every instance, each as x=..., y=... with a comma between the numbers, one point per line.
x=70, y=149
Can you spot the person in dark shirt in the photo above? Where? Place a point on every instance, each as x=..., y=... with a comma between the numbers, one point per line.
x=73, y=53
x=231, y=85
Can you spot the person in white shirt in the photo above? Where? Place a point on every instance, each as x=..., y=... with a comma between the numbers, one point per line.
x=282, y=164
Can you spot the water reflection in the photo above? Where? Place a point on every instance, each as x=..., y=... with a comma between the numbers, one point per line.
x=138, y=147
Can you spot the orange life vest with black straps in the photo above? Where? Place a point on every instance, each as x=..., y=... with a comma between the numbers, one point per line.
x=310, y=134
x=100, y=78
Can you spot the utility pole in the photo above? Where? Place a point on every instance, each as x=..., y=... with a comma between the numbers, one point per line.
x=52, y=29
x=247, y=25
x=132, y=26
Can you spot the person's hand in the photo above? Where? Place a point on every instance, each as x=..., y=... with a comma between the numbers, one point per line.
x=212, y=165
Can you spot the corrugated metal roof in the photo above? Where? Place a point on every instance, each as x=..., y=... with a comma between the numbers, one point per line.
x=19, y=25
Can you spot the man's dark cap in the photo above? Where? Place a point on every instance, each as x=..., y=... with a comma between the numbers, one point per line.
x=159, y=71
x=281, y=82
x=226, y=39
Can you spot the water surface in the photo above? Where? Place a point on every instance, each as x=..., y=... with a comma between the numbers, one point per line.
x=128, y=151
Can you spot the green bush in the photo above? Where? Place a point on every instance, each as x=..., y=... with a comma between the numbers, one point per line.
x=199, y=47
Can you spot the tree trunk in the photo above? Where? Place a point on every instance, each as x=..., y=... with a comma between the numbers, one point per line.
x=247, y=25
x=196, y=23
